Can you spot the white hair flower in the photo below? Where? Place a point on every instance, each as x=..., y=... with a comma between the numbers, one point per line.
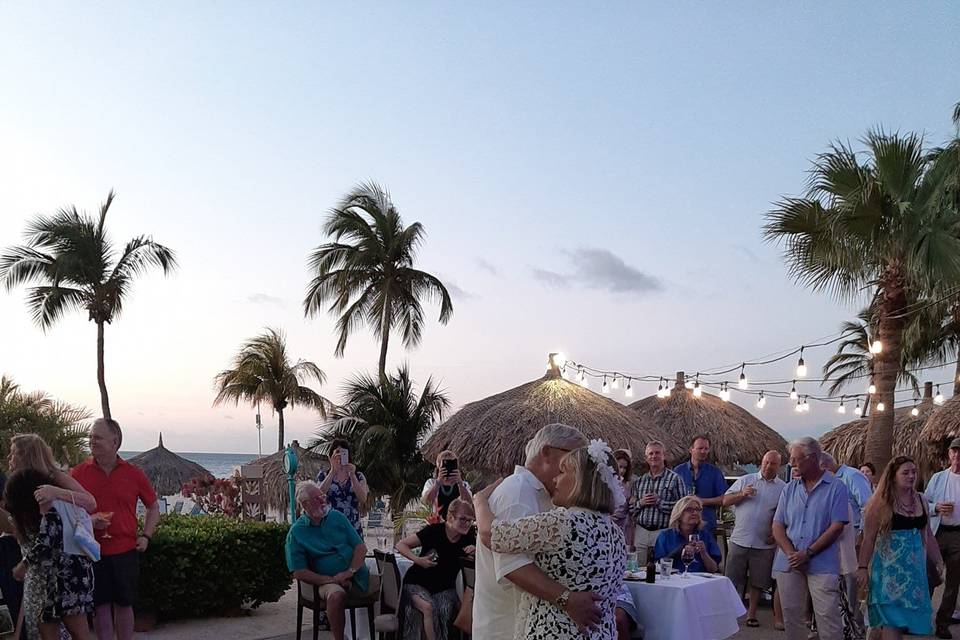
x=599, y=451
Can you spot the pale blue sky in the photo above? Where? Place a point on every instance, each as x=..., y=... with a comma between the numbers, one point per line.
x=538, y=143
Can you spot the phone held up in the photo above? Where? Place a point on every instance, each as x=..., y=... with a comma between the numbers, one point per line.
x=449, y=466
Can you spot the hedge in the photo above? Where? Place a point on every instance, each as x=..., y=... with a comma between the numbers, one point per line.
x=212, y=565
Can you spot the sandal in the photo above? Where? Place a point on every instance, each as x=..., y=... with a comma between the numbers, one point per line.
x=779, y=626
x=753, y=622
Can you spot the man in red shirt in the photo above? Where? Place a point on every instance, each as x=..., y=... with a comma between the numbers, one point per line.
x=116, y=485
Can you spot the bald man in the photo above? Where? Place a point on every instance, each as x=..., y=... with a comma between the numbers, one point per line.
x=751, y=548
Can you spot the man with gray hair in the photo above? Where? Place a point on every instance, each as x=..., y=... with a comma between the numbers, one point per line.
x=810, y=516
x=500, y=576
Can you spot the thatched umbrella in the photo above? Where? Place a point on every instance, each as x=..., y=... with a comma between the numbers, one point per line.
x=275, y=489
x=166, y=470
x=737, y=437
x=847, y=443
x=941, y=427
x=489, y=435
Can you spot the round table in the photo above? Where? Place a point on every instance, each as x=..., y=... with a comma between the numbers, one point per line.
x=699, y=607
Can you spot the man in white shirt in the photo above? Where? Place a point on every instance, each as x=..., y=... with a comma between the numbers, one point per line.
x=751, y=547
x=500, y=576
x=943, y=494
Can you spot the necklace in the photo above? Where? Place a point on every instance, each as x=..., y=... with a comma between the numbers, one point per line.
x=907, y=509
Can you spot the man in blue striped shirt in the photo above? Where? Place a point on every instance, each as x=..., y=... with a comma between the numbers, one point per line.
x=652, y=499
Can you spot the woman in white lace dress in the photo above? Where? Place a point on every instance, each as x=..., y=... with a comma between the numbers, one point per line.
x=577, y=544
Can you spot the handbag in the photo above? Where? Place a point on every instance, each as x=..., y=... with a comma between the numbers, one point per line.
x=464, y=619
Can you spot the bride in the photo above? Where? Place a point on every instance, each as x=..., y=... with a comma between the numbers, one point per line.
x=577, y=544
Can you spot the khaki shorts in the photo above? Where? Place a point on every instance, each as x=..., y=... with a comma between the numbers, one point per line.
x=743, y=560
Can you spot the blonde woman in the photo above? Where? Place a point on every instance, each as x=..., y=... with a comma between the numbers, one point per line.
x=29, y=451
x=446, y=485
x=577, y=544
x=686, y=520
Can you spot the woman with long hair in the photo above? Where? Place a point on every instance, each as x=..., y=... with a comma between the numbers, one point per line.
x=625, y=474
x=577, y=544
x=29, y=451
x=446, y=485
x=897, y=542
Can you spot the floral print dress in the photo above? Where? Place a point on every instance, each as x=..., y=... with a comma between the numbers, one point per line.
x=341, y=497
x=582, y=550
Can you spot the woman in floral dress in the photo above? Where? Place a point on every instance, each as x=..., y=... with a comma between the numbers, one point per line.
x=577, y=544
x=345, y=486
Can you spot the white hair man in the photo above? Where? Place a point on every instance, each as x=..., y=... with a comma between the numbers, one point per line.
x=810, y=516
x=500, y=576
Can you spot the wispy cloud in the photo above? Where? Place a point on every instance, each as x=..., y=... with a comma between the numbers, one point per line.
x=458, y=292
x=488, y=267
x=265, y=299
x=747, y=251
x=600, y=269
x=227, y=416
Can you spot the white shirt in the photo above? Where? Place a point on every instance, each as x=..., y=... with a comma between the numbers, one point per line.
x=754, y=515
x=496, y=601
x=951, y=493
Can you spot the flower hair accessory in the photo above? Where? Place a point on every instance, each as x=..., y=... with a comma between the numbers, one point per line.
x=599, y=451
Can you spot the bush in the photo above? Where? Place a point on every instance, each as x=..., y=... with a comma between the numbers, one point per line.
x=211, y=565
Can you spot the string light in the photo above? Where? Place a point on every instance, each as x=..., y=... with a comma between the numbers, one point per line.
x=915, y=411
x=616, y=383
x=724, y=392
x=793, y=391
x=806, y=405
x=697, y=390
x=841, y=408
x=629, y=390
x=743, y=376
x=605, y=388
x=666, y=389
x=938, y=399
x=761, y=401
x=881, y=407
x=801, y=366
x=876, y=347
x=872, y=389
x=582, y=378
x=660, y=393
x=857, y=411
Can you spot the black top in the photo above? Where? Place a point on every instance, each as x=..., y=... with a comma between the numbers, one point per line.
x=450, y=559
x=899, y=522
x=445, y=496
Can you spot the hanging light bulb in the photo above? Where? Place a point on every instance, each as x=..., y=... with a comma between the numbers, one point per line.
x=580, y=375
x=743, y=377
x=616, y=382
x=564, y=374
x=629, y=390
x=761, y=401
x=938, y=399
x=805, y=405
x=660, y=389
x=605, y=388
x=793, y=391
x=801, y=366
x=872, y=389
x=915, y=411
x=841, y=408
x=857, y=411
x=799, y=408
x=724, y=392
x=583, y=379
x=876, y=347
x=881, y=407
x=666, y=388
x=697, y=391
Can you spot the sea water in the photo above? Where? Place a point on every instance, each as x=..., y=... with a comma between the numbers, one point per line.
x=221, y=465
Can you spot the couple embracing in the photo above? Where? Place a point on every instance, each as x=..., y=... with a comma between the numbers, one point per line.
x=551, y=559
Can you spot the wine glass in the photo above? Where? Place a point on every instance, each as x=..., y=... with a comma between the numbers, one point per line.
x=108, y=516
x=686, y=557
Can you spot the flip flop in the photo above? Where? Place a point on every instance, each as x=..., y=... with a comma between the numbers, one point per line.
x=779, y=626
x=753, y=622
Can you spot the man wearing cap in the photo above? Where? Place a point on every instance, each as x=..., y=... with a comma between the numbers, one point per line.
x=943, y=494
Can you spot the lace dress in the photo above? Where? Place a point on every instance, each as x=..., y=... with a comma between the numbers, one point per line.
x=582, y=550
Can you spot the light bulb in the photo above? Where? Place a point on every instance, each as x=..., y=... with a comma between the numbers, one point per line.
x=697, y=391
x=605, y=388
x=629, y=390
x=616, y=383
x=793, y=391
x=857, y=410
x=580, y=375
x=666, y=391
x=881, y=407
x=799, y=408
x=724, y=393
x=558, y=360
x=938, y=399
x=876, y=346
x=806, y=406
x=761, y=401
x=801, y=369
x=743, y=381
x=841, y=408
x=872, y=388
x=915, y=411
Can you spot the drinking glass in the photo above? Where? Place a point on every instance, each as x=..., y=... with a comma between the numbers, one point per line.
x=666, y=567
x=633, y=561
x=686, y=556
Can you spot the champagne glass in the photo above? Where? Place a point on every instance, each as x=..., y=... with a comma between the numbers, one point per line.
x=108, y=516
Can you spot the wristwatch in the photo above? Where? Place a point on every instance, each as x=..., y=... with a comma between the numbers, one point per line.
x=562, y=599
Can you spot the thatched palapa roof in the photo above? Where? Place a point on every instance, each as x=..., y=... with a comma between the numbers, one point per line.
x=166, y=470
x=489, y=435
x=847, y=443
x=737, y=437
x=942, y=426
x=275, y=490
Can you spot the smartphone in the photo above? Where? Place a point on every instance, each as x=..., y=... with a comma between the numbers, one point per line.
x=449, y=466
x=344, y=458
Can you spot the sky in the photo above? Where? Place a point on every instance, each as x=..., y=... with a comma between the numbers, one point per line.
x=592, y=179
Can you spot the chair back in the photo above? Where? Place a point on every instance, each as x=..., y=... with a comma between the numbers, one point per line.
x=389, y=581
x=469, y=577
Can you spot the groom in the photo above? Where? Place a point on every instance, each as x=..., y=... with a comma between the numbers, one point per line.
x=500, y=576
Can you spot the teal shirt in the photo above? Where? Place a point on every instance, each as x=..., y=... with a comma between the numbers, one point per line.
x=325, y=548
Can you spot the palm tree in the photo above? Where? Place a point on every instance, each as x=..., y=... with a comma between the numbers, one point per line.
x=875, y=225
x=262, y=372
x=61, y=425
x=72, y=258
x=367, y=272
x=387, y=416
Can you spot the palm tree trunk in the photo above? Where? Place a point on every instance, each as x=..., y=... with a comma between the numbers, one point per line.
x=385, y=322
x=879, y=446
x=101, y=379
x=279, y=429
x=956, y=331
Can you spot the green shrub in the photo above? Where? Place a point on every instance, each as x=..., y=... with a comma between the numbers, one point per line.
x=210, y=565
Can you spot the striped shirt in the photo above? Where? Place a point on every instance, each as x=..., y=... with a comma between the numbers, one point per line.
x=669, y=487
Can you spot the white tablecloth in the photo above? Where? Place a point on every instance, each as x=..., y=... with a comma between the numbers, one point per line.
x=695, y=608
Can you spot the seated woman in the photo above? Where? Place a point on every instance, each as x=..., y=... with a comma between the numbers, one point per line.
x=577, y=544
x=685, y=520
x=430, y=585
x=446, y=485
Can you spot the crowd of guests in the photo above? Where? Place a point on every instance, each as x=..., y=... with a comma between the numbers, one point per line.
x=70, y=542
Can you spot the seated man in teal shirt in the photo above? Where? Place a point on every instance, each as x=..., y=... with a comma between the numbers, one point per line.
x=324, y=549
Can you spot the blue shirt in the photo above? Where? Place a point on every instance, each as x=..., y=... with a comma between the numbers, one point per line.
x=325, y=548
x=709, y=483
x=807, y=515
x=670, y=544
x=859, y=489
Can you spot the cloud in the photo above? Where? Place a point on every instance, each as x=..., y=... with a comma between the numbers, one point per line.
x=747, y=251
x=264, y=299
x=488, y=267
x=552, y=278
x=227, y=416
x=458, y=292
x=602, y=270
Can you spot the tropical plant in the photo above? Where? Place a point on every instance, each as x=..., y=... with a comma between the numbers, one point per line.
x=214, y=495
x=386, y=423
x=367, y=272
x=61, y=425
x=876, y=225
x=262, y=372
x=75, y=263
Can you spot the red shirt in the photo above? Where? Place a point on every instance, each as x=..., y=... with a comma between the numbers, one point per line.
x=118, y=493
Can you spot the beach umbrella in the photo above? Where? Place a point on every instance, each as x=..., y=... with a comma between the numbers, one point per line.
x=489, y=435
x=737, y=437
x=166, y=470
x=275, y=490
x=847, y=443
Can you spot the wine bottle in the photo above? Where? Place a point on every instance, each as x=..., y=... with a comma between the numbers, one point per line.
x=651, y=576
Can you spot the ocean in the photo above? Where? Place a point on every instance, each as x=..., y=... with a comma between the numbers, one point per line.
x=221, y=465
